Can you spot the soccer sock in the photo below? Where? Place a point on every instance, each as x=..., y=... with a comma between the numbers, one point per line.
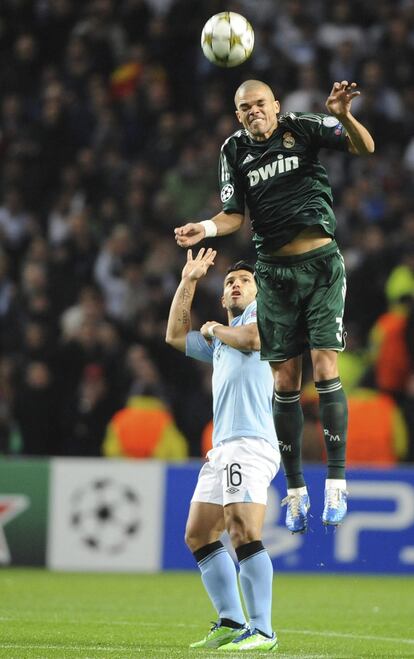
x=256, y=576
x=333, y=412
x=288, y=419
x=219, y=577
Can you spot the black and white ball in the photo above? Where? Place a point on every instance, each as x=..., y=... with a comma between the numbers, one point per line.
x=105, y=515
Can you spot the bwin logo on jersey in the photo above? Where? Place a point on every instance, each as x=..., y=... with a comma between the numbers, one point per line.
x=279, y=166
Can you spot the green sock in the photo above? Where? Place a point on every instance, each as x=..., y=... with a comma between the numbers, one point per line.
x=333, y=412
x=288, y=418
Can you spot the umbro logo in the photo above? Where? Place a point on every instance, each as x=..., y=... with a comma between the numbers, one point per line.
x=248, y=158
x=232, y=490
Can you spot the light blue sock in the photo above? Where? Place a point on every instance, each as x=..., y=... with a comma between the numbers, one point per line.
x=256, y=577
x=219, y=577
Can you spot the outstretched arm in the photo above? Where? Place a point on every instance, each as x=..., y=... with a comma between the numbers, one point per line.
x=339, y=103
x=192, y=233
x=179, y=319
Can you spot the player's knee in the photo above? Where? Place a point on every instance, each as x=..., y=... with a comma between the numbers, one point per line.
x=195, y=538
x=325, y=365
x=325, y=371
x=192, y=539
x=240, y=532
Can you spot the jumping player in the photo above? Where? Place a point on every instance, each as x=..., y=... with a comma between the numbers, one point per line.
x=271, y=166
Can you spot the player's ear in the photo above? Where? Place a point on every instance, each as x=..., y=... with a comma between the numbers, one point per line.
x=222, y=302
x=238, y=116
x=277, y=107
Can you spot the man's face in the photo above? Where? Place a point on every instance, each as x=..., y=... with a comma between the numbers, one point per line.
x=257, y=110
x=239, y=291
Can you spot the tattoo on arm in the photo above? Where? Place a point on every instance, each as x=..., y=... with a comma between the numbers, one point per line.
x=185, y=300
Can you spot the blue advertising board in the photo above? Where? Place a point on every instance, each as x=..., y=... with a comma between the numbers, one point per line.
x=376, y=536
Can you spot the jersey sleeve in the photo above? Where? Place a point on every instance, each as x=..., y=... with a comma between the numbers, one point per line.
x=250, y=314
x=324, y=131
x=197, y=347
x=231, y=188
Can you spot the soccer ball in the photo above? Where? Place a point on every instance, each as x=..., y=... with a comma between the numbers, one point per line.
x=227, y=39
x=105, y=515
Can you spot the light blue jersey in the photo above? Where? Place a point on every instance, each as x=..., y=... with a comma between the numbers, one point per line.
x=242, y=386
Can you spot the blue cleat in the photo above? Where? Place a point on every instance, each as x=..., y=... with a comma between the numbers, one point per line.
x=298, y=505
x=335, y=506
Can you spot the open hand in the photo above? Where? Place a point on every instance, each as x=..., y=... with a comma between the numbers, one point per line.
x=196, y=268
x=339, y=101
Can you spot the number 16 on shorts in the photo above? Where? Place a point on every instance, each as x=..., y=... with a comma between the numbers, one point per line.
x=233, y=477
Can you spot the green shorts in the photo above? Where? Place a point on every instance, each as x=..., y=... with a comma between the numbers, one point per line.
x=300, y=302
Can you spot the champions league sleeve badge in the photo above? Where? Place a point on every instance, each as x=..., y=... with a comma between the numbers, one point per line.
x=227, y=192
x=330, y=121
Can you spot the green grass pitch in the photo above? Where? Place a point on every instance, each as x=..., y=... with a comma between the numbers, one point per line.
x=45, y=614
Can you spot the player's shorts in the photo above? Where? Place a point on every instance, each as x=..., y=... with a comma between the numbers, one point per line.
x=300, y=302
x=237, y=471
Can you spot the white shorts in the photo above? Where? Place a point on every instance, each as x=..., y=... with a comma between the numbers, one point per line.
x=239, y=470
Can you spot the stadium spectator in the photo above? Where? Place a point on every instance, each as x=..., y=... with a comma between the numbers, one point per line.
x=307, y=95
x=244, y=446
x=144, y=428
x=389, y=350
x=340, y=24
x=89, y=307
x=15, y=222
x=88, y=414
x=9, y=311
x=7, y=415
x=366, y=298
x=187, y=185
x=108, y=267
x=389, y=336
x=36, y=411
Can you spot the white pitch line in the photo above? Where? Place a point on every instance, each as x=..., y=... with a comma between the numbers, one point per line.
x=71, y=621
x=235, y=655
x=76, y=622
x=75, y=648
x=363, y=637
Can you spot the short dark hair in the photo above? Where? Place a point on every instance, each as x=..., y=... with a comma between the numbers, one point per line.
x=240, y=265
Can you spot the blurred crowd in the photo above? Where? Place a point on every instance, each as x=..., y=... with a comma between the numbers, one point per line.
x=111, y=122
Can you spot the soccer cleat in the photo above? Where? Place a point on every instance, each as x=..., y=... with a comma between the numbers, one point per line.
x=251, y=639
x=297, y=512
x=219, y=635
x=335, y=506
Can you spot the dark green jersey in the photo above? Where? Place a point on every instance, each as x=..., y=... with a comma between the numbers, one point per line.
x=281, y=180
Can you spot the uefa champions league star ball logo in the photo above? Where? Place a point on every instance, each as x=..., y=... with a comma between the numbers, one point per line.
x=105, y=515
x=227, y=192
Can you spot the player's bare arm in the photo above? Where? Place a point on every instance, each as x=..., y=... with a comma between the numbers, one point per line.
x=179, y=319
x=244, y=337
x=193, y=232
x=338, y=103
